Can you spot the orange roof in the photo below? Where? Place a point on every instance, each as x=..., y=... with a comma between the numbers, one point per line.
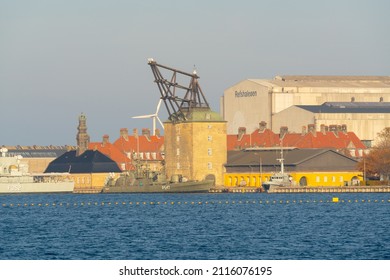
x=142, y=144
x=113, y=153
x=267, y=138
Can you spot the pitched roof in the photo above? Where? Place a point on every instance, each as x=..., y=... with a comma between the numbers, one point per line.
x=113, y=153
x=141, y=143
x=292, y=157
x=88, y=162
x=348, y=107
x=267, y=138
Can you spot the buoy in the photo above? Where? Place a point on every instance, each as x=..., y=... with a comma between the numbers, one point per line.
x=335, y=199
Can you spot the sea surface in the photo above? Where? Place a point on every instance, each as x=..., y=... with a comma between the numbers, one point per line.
x=195, y=226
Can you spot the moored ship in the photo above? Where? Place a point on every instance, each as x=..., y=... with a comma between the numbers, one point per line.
x=133, y=182
x=279, y=179
x=14, y=178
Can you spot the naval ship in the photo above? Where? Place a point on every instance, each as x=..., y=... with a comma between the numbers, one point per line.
x=145, y=181
x=14, y=178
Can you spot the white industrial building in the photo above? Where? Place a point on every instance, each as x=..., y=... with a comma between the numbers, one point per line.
x=281, y=102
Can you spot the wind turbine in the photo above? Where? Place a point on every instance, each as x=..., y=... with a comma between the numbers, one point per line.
x=153, y=117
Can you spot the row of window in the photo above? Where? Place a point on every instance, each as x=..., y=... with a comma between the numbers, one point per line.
x=209, y=138
x=83, y=180
x=209, y=151
x=209, y=165
x=142, y=155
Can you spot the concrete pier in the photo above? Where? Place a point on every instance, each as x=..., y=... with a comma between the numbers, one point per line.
x=360, y=189
x=356, y=189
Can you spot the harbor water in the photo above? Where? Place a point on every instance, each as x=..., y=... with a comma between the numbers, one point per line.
x=195, y=226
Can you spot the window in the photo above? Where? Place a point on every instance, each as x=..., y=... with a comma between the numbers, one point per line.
x=178, y=152
x=341, y=179
x=209, y=151
x=325, y=179
x=177, y=138
x=318, y=179
x=210, y=138
x=178, y=165
x=334, y=179
x=210, y=165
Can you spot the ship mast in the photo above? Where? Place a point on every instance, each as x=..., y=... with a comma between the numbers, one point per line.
x=281, y=159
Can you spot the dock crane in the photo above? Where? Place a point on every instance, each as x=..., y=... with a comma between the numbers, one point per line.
x=178, y=107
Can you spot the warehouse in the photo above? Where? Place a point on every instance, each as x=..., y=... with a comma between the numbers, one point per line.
x=307, y=167
x=252, y=101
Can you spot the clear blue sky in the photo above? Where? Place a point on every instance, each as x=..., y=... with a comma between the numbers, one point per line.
x=61, y=58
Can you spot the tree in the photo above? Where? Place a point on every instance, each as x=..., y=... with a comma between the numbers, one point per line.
x=377, y=161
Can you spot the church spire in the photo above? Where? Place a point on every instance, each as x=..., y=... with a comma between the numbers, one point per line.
x=82, y=135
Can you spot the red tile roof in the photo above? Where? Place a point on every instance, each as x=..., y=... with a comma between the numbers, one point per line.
x=127, y=146
x=267, y=138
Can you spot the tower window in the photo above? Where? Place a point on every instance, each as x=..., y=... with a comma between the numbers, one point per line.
x=210, y=165
x=209, y=151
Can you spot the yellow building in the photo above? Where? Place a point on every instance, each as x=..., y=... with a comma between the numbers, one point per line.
x=196, y=148
x=306, y=167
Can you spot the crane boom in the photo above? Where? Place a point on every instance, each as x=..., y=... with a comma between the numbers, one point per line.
x=178, y=107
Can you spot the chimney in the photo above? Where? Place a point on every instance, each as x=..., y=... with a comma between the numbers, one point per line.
x=157, y=132
x=124, y=133
x=304, y=130
x=323, y=129
x=105, y=140
x=344, y=128
x=262, y=126
x=312, y=128
x=241, y=132
x=333, y=128
x=283, y=131
x=146, y=133
x=135, y=132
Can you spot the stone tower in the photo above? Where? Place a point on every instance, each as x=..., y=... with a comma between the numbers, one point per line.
x=196, y=148
x=195, y=136
x=82, y=135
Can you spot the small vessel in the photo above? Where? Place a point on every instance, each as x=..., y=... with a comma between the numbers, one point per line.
x=278, y=179
x=154, y=182
x=14, y=178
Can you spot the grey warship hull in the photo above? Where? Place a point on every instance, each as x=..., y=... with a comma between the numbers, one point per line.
x=179, y=187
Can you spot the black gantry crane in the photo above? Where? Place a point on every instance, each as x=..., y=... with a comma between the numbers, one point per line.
x=178, y=107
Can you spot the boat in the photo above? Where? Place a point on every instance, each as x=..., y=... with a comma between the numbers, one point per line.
x=279, y=179
x=154, y=182
x=15, y=179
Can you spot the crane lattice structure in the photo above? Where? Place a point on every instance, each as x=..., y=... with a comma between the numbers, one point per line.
x=178, y=107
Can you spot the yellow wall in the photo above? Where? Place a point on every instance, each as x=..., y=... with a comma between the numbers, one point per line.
x=317, y=179
x=89, y=181
x=196, y=149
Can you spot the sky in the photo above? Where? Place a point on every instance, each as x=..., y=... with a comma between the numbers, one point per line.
x=59, y=59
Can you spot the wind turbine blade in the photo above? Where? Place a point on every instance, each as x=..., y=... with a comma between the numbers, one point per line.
x=158, y=106
x=143, y=117
x=162, y=125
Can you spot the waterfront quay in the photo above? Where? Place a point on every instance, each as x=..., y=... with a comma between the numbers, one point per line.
x=355, y=189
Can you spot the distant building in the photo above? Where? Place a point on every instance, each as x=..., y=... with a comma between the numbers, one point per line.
x=37, y=158
x=252, y=101
x=332, y=137
x=365, y=119
x=89, y=169
x=129, y=150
